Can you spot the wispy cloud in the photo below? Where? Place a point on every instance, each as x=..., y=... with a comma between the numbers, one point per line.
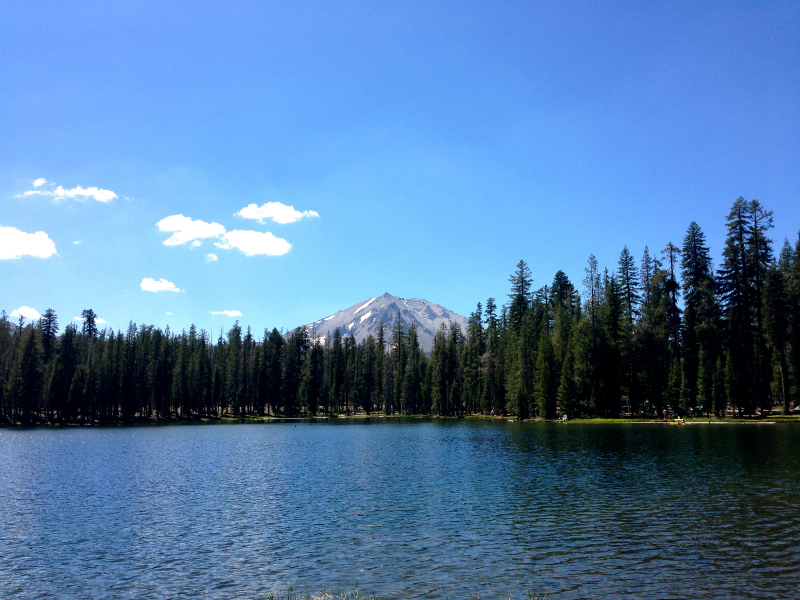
x=79, y=193
x=162, y=285
x=211, y=257
x=227, y=313
x=16, y=244
x=185, y=230
x=252, y=243
x=26, y=312
x=277, y=211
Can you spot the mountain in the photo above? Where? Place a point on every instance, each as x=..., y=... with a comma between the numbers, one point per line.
x=361, y=320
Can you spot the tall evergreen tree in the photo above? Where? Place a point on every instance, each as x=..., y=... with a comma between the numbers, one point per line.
x=547, y=380
x=776, y=325
x=746, y=259
x=700, y=314
x=520, y=296
x=629, y=284
x=592, y=290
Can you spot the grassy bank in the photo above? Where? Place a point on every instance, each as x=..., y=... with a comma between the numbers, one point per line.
x=255, y=418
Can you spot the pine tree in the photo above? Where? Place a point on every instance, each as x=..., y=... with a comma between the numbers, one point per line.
x=89, y=323
x=234, y=391
x=700, y=314
x=311, y=379
x=672, y=288
x=740, y=280
x=273, y=351
x=489, y=361
x=718, y=392
x=379, y=399
x=398, y=360
x=337, y=371
x=411, y=391
x=520, y=296
x=629, y=283
x=475, y=348
x=49, y=327
x=521, y=370
x=292, y=359
x=792, y=269
x=546, y=388
x=439, y=388
x=653, y=342
x=776, y=322
x=562, y=292
x=24, y=382
x=566, y=397
x=705, y=383
x=592, y=289
x=609, y=349
x=646, y=273
x=455, y=383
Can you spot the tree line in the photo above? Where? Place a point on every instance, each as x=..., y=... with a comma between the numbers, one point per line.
x=667, y=334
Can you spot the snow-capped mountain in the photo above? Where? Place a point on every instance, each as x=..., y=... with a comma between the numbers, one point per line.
x=362, y=319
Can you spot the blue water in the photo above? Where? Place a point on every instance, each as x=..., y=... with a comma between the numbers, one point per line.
x=401, y=509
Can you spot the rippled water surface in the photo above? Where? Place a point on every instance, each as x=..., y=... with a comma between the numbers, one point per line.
x=402, y=510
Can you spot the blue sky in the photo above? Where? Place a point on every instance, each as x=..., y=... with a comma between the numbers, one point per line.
x=424, y=147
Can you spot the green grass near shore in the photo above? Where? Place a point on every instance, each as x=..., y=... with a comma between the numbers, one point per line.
x=256, y=418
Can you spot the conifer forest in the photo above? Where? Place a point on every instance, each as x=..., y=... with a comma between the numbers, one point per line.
x=664, y=334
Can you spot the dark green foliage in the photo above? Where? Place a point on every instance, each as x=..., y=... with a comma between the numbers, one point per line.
x=547, y=379
x=567, y=390
x=776, y=324
x=626, y=347
x=741, y=279
x=700, y=318
x=790, y=266
x=520, y=296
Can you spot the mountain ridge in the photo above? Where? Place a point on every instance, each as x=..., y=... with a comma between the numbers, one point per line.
x=363, y=318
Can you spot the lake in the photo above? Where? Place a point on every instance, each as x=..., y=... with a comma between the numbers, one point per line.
x=401, y=509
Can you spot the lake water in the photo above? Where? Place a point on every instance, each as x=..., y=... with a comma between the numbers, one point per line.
x=402, y=509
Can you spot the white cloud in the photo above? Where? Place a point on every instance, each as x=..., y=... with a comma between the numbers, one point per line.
x=227, y=313
x=211, y=257
x=252, y=243
x=162, y=285
x=277, y=211
x=27, y=312
x=15, y=244
x=169, y=313
x=97, y=320
x=197, y=244
x=78, y=192
x=185, y=230
x=77, y=242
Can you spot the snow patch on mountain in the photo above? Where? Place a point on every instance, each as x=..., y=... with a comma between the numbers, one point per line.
x=365, y=305
x=427, y=316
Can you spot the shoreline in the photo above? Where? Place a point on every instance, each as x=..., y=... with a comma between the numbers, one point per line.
x=265, y=419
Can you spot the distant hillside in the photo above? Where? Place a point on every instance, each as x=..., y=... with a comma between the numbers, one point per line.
x=362, y=319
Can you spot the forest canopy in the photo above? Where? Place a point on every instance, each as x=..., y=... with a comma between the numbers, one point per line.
x=664, y=334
